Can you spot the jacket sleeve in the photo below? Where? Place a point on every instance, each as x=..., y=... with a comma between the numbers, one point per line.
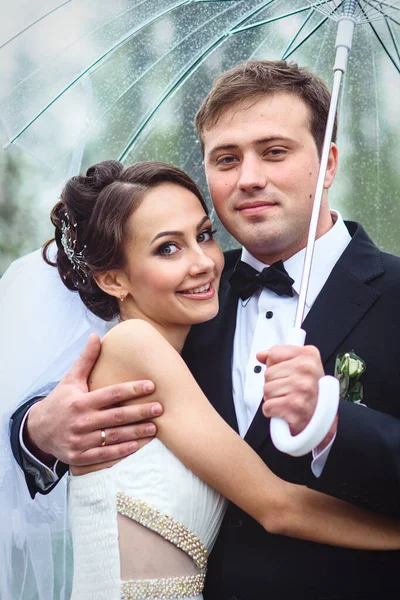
x=363, y=466
x=38, y=478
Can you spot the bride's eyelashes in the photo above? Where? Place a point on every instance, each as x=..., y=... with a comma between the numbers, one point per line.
x=170, y=248
x=207, y=233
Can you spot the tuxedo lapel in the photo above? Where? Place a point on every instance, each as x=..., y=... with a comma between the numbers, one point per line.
x=343, y=301
x=346, y=297
x=339, y=307
x=258, y=431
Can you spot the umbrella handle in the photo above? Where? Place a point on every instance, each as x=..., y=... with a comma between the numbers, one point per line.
x=322, y=419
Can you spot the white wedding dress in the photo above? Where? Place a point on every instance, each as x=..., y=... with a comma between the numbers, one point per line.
x=142, y=529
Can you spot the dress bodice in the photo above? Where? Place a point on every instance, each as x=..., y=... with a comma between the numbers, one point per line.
x=153, y=488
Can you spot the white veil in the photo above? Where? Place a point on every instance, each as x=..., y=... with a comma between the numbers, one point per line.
x=43, y=328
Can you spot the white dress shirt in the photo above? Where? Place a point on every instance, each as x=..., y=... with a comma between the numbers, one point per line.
x=263, y=320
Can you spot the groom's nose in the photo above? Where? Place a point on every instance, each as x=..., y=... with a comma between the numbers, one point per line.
x=252, y=173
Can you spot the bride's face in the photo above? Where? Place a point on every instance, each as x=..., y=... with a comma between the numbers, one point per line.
x=173, y=263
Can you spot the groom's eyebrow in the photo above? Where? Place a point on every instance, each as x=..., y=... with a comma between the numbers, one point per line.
x=178, y=233
x=259, y=142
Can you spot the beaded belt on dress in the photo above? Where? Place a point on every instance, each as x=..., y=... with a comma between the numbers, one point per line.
x=177, y=534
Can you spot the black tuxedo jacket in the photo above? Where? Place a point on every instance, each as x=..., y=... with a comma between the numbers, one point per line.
x=358, y=309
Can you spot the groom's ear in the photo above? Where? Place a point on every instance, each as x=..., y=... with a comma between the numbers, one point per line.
x=112, y=282
x=331, y=166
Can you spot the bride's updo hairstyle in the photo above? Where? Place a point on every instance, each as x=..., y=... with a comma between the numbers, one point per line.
x=90, y=223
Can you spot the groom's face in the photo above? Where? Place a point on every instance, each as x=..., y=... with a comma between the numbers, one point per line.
x=262, y=165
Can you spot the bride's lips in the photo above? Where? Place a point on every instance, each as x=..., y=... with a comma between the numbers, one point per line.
x=201, y=295
x=254, y=207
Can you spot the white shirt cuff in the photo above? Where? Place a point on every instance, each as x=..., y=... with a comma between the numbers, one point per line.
x=49, y=474
x=320, y=458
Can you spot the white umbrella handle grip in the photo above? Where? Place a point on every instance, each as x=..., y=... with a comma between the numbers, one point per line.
x=322, y=419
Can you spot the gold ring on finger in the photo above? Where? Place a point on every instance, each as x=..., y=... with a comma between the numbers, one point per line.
x=103, y=437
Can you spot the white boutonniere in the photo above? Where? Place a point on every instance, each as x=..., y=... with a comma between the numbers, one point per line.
x=348, y=369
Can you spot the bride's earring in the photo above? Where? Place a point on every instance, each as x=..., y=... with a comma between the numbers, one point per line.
x=122, y=296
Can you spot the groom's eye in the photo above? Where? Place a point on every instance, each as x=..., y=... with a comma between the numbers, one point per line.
x=226, y=160
x=276, y=152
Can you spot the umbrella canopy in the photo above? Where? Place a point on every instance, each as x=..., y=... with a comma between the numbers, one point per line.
x=85, y=80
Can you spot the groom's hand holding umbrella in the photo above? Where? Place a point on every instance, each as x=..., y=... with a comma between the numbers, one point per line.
x=80, y=427
x=291, y=386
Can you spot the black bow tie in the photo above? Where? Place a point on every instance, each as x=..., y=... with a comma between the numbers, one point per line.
x=246, y=281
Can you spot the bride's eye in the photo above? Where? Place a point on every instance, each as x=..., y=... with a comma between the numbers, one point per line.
x=167, y=249
x=206, y=236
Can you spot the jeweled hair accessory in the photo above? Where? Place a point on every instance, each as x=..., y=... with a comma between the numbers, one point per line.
x=68, y=242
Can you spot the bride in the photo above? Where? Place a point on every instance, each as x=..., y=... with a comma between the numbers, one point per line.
x=137, y=244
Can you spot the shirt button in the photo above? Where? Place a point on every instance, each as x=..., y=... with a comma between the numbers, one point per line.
x=257, y=369
x=269, y=314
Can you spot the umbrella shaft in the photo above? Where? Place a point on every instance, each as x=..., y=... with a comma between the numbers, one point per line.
x=312, y=233
x=344, y=39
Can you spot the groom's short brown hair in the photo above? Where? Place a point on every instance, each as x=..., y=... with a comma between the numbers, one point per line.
x=249, y=81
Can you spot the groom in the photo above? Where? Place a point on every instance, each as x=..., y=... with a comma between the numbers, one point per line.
x=261, y=129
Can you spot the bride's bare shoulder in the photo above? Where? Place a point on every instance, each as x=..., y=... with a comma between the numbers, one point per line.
x=134, y=336
x=134, y=350
x=130, y=326
x=131, y=350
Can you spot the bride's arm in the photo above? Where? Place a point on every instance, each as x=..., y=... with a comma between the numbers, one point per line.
x=198, y=436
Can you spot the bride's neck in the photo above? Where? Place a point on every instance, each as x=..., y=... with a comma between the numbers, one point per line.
x=174, y=334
